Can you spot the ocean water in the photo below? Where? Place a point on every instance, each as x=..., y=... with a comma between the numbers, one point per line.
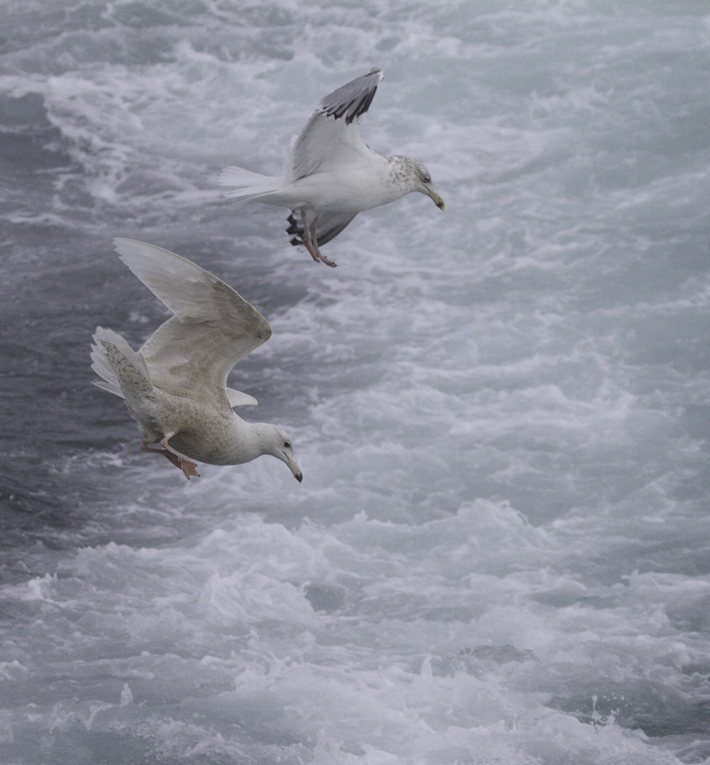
x=500, y=551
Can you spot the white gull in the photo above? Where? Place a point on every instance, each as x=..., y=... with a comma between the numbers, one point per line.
x=175, y=386
x=331, y=174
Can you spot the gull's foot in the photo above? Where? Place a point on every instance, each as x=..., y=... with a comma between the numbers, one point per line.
x=185, y=464
x=319, y=257
x=189, y=468
x=325, y=260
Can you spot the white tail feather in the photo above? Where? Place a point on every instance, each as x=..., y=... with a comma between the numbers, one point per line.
x=104, y=368
x=247, y=185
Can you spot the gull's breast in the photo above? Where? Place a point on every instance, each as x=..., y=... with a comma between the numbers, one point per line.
x=215, y=439
x=350, y=192
x=347, y=188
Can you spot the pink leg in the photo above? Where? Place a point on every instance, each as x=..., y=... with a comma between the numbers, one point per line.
x=307, y=242
x=310, y=240
x=314, y=241
x=187, y=466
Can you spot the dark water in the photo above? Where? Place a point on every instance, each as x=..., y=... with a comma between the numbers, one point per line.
x=499, y=553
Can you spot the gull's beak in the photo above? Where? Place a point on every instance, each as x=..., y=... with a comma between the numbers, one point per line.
x=293, y=467
x=438, y=201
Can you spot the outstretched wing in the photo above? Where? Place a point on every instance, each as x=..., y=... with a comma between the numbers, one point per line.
x=330, y=136
x=192, y=353
x=329, y=225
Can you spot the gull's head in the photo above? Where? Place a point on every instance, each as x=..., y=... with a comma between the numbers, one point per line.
x=417, y=178
x=278, y=443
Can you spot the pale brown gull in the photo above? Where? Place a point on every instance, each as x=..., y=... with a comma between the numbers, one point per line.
x=175, y=386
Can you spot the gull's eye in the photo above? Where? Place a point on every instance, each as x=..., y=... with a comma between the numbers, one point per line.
x=426, y=178
x=287, y=444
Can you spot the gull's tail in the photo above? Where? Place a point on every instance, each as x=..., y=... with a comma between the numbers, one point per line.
x=123, y=371
x=246, y=185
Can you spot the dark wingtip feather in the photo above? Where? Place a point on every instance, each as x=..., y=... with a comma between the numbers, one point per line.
x=329, y=226
x=295, y=227
x=352, y=99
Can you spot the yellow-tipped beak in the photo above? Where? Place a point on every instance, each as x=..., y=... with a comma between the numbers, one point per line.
x=438, y=201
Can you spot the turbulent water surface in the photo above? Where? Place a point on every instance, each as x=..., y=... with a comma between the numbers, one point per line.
x=499, y=553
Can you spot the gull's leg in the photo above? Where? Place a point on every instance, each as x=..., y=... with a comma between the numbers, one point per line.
x=307, y=242
x=145, y=447
x=310, y=240
x=187, y=466
x=314, y=242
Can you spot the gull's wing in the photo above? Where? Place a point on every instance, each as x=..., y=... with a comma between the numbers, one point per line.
x=192, y=353
x=329, y=225
x=330, y=137
x=237, y=398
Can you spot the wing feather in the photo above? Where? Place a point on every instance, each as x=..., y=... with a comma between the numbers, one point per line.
x=237, y=398
x=330, y=136
x=193, y=352
x=329, y=225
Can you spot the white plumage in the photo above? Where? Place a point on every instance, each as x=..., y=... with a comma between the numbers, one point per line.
x=332, y=175
x=175, y=386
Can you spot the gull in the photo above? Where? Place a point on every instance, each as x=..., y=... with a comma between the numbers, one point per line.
x=175, y=386
x=331, y=174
